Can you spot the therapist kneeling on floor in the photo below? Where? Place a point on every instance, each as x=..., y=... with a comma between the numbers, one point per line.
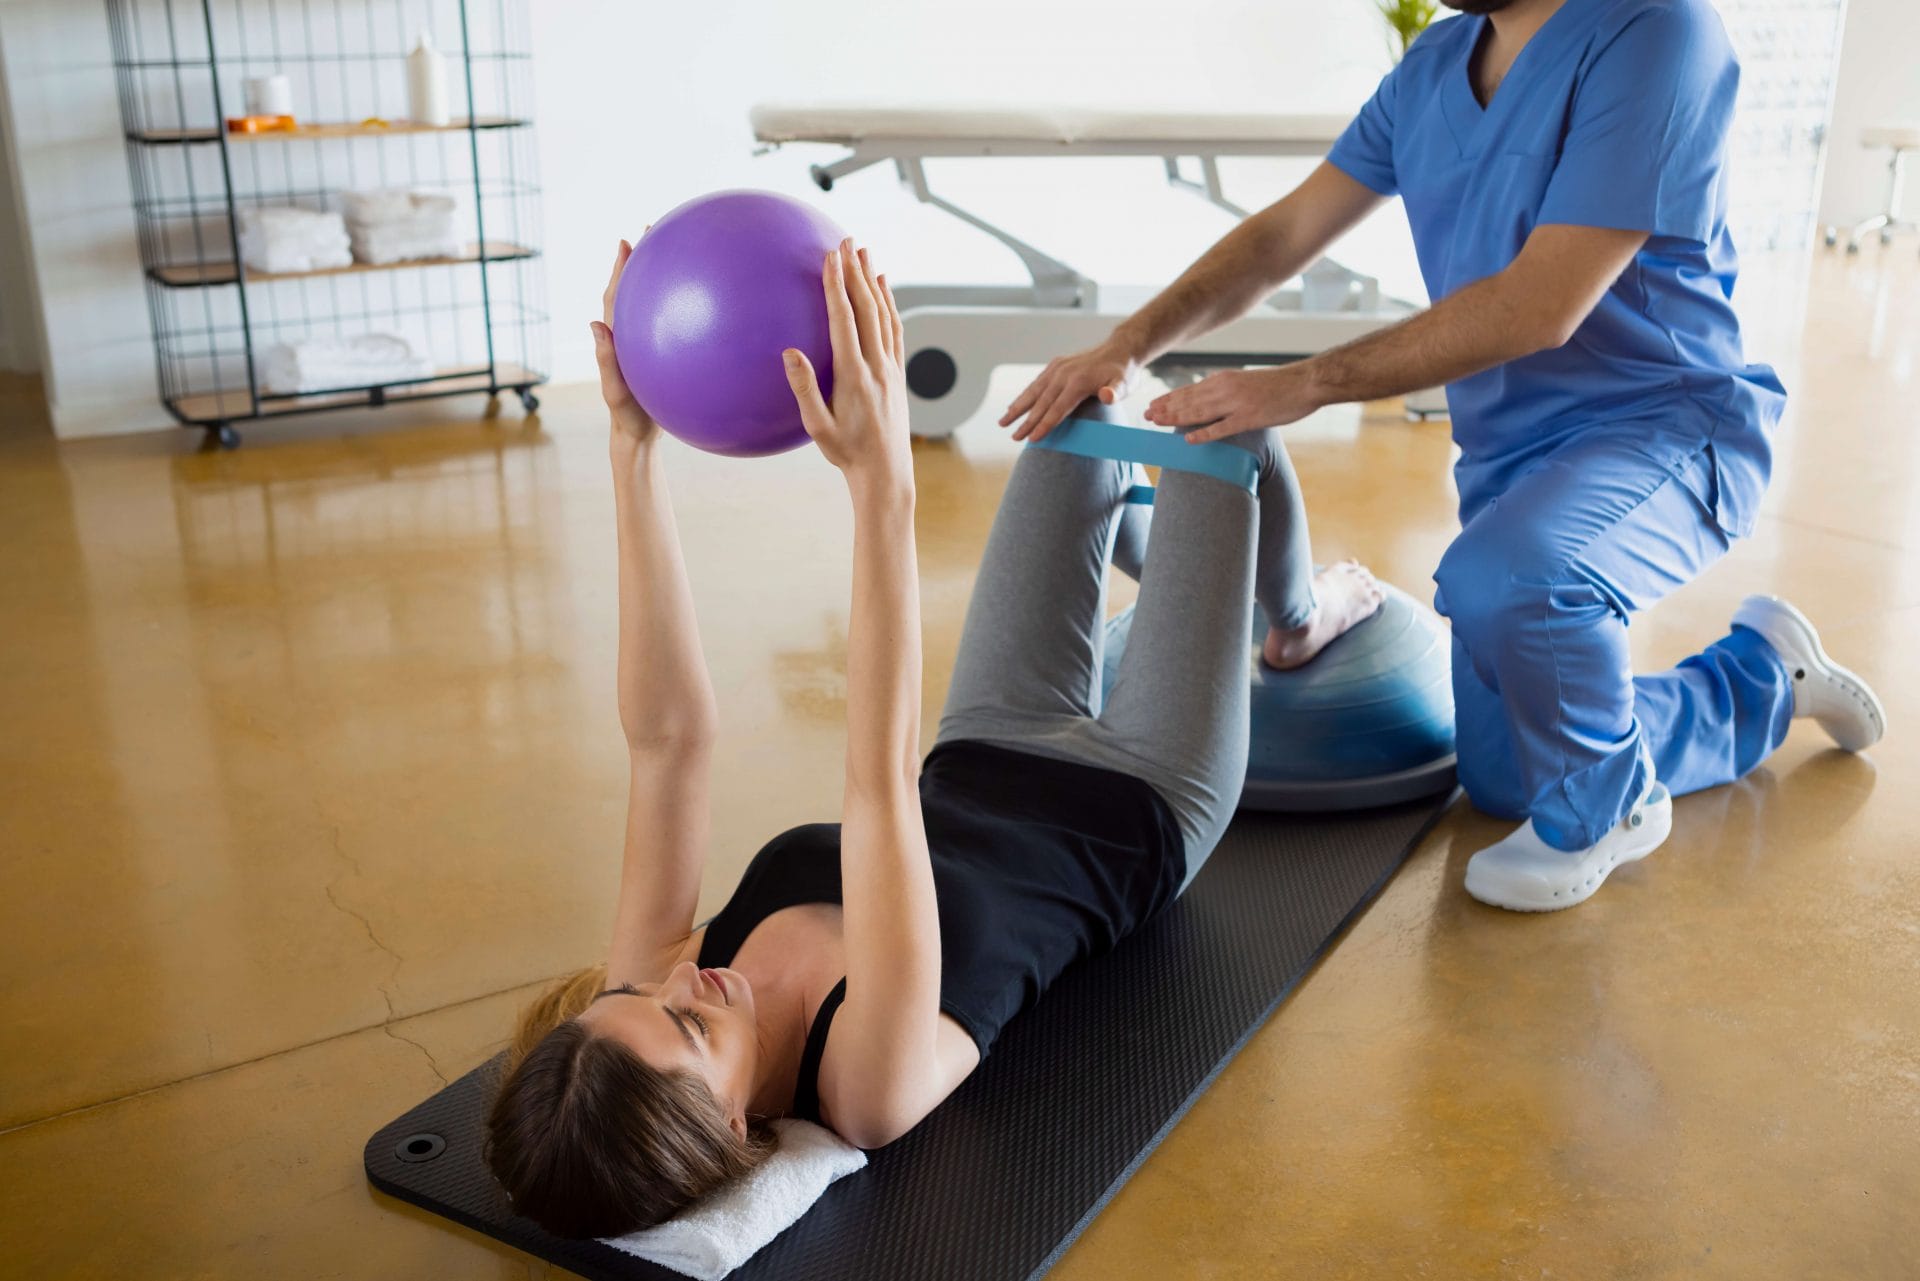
x=1563, y=164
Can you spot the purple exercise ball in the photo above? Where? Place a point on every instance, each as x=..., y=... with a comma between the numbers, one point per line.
x=712, y=295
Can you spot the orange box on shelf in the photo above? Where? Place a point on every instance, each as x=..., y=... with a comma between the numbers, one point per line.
x=261, y=124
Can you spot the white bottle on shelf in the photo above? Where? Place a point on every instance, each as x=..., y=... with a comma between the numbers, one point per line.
x=426, y=83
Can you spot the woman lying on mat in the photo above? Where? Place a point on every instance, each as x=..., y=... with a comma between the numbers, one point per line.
x=862, y=969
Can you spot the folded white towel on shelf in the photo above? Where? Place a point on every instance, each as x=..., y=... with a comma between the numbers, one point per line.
x=404, y=242
x=327, y=364
x=386, y=206
x=399, y=226
x=715, y=1235
x=277, y=239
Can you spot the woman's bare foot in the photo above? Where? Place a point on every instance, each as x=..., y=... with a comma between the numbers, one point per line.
x=1346, y=594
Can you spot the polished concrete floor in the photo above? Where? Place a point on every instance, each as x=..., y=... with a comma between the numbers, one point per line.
x=312, y=770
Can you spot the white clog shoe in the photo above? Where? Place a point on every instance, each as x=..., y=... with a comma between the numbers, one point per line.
x=1843, y=703
x=1523, y=873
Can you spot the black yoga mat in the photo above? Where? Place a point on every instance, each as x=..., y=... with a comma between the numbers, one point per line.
x=999, y=1181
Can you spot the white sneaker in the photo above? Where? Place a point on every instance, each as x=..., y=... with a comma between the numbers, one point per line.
x=1843, y=704
x=1525, y=874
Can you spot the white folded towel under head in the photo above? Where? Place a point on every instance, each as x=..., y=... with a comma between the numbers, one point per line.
x=276, y=238
x=324, y=364
x=717, y=1234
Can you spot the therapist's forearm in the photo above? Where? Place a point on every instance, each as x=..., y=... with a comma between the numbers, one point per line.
x=1488, y=323
x=1249, y=263
x=1227, y=282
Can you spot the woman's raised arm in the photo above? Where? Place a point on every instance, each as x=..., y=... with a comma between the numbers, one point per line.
x=665, y=694
x=883, y=1071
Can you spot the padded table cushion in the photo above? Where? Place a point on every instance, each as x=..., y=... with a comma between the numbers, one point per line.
x=1904, y=135
x=999, y=1181
x=849, y=123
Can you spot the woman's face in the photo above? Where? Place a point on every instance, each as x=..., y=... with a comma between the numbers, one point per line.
x=696, y=1020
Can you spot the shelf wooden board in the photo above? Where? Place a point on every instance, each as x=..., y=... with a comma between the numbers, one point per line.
x=222, y=273
x=236, y=404
x=326, y=131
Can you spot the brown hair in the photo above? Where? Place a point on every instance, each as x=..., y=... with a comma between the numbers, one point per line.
x=590, y=1140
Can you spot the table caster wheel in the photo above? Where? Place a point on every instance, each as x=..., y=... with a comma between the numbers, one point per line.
x=529, y=401
x=931, y=373
x=222, y=436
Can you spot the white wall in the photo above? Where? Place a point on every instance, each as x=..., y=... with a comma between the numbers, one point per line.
x=1879, y=83
x=19, y=309
x=76, y=201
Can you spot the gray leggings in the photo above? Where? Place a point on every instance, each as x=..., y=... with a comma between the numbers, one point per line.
x=1028, y=672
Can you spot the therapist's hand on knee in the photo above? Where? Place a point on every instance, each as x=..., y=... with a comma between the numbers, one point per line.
x=1106, y=371
x=1236, y=400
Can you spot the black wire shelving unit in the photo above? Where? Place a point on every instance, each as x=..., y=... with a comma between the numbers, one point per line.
x=477, y=314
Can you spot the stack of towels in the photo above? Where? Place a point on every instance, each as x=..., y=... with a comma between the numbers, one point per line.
x=379, y=227
x=397, y=226
x=327, y=364
x=284, y=239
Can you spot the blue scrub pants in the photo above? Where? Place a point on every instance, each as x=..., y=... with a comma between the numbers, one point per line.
x=1553, y=724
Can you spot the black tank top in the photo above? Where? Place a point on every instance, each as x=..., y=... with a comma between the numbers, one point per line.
x=1037, y=863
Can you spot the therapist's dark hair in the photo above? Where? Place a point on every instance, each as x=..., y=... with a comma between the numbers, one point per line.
x=591, y=1140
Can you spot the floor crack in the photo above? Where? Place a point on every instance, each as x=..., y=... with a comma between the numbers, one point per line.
x=395, y=1033
x=385, y=986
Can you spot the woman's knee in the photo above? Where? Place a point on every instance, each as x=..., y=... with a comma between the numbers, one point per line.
x=1265, y=447
x=1041, y=475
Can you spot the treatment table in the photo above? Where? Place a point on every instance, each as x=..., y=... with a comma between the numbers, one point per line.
x=958, y=334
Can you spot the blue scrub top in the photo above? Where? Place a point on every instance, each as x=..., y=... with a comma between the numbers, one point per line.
x=1615, y=114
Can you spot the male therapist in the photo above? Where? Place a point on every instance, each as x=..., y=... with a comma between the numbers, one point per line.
x=1563, y=166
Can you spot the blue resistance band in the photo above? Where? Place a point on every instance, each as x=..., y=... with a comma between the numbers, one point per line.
x=1091, y=438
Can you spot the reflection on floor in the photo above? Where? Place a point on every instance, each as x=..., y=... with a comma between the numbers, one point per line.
x=313, y=769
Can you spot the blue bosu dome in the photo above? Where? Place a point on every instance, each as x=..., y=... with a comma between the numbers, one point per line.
x=1368, y=722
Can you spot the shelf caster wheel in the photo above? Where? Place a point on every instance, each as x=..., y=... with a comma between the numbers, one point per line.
x=1853, y=248
x=222, y=436
x=1832, y=237
x=529, y=401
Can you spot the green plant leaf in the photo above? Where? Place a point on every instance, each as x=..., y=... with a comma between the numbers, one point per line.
x=1407, y=18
